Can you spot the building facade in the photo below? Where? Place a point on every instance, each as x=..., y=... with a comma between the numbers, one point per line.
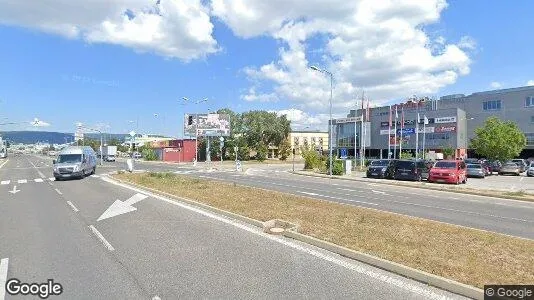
x=451, y=121
x=315, y=139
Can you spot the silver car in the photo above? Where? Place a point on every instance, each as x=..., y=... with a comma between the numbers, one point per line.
x=75, y=162
x=530, y=170
x=475, y=170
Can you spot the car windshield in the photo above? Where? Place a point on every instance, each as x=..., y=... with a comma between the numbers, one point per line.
x=474, y=166
x=69, y=158
x=405, y=164
x=445, y=165
x=511, y=165
x=379, y=163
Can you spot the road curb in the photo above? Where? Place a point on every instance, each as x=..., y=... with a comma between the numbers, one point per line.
x=418, y=275
x=394, y=183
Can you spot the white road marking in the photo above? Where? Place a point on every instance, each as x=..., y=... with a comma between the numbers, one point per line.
x=121, y=207
x=378, y=192
x=348, y=190
x=96, y=176
x=3, y=277
x=337, y=198
x=52, y=179
x=72, y=206
x=332, y=258
x=38, y=171
x=4, y=182
x=101, y=237
x=58, y=191
x=308, y=193
x=38, y=180
x=22, y=181
x=521, y=179
x=5, y=162
x=156, y=298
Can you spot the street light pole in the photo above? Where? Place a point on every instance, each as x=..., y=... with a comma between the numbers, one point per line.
x=330, y=120
x=196, y=125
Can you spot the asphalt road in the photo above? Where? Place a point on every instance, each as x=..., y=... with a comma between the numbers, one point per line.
x=55, y=230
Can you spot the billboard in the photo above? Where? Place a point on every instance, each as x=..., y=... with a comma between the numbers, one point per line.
x=207, y=124
x=347, y=120
x=445, y=129
x=445, y=120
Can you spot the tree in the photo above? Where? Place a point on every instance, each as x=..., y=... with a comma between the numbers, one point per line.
x=406, y=155
x=498, y=140
x=149, y=154
x=448, y=152
x=284, y=150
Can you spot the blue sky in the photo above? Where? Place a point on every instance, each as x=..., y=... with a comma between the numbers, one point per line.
x=108, y=80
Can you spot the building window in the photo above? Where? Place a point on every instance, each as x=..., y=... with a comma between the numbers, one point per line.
x=530, y=139
x=296, y=141
x=529, y=101
x=531, y=119
x=491, y=105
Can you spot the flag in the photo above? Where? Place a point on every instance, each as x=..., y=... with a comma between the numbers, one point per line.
x=390, y=116
x=426, y=120
x=396, y=113
x=402, y=120
x=368, y=112
x=418, y=118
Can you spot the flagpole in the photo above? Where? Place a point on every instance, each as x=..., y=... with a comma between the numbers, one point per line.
x=389, y=133
x=425, y=120
x=417, y=137
x=402, y=128
x=355, y=135
x=395, y=129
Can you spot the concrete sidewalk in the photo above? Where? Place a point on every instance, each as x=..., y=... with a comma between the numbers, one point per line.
x=515, y=191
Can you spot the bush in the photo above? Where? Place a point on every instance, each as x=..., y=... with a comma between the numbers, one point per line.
x=406, y=155
x=149, y=154
x=312, y=159
x=261, y=153
x=284, y=150
x=337, y=166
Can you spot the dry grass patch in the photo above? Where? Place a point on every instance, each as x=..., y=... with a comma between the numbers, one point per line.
x=466, y=255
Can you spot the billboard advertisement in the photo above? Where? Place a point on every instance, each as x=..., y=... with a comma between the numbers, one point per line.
x=445, y=129
x=406, y=131
x=445, y=120
x=207, y=124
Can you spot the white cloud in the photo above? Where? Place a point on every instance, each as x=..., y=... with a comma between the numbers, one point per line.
x=39, y=123
x=530, y=82
x=178, y=29
x=467, y=42
x=380, y=47
x=253, y=96
x=496, y=85
x=301, y=120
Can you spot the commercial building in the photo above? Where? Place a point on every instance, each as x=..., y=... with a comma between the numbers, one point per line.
x=451, y=123
x=315, y=139
x=175, y=150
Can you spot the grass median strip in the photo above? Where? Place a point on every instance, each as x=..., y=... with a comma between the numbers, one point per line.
x=465, y=255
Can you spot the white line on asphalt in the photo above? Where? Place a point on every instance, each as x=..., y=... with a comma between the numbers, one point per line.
x=38, y=180
x=52, y=179
x=3, y=277
x=58, y=191
x=337, y=198
x=5, y=162
x=521, y=179
x=72, y=206
x=96, y=176
x=102, y=238
x=378, y=192
x=332, y=258
x=156, y=298
x=4, y=182
x=33, y=165
x=22, y=181
x=348, y=190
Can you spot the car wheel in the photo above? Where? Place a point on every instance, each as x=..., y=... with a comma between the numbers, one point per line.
x=58, y=178
x=457, y=180
x=465, y=180
x=94, y=171
x=419, y=177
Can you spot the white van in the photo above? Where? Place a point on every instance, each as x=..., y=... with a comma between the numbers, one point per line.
x=75, y=161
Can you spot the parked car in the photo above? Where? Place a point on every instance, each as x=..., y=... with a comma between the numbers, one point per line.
x=521, y=163
x=448, y=171
x=496, y=166
x=381, y=168
x=510, y=168
x=471, y=160
x=487, y=167
x=530, y=170
x=475, y=170
x=410, y=170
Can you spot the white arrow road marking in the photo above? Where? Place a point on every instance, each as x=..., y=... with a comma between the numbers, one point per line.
x=119, y=207
x=3, y=277
x=14, y=191
x=5, y=182
x=22, y=181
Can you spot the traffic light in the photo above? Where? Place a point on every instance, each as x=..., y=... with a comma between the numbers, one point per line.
x=190, y=120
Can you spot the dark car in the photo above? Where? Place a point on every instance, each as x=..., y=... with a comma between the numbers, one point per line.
x=488, y=168
x=496, y=166
x=411, y=170
x=381, y=168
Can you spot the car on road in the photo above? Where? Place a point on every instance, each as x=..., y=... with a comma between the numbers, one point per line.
x=381, y=168
x=410, y=170
x=74, y=162
x=475, y=170
x=521, y=163
x=530, y=170
x=471, y=160
x=448, y=171
x=510, y=168
x=488, y=169
x=496, y=166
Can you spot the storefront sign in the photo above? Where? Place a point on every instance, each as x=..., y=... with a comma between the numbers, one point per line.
x=384, y=124
x=406, y=131
x=445, y=120
x=347, y=120
x=426, y=129
x=445, y=129
x=172, y=150
x=386, y=131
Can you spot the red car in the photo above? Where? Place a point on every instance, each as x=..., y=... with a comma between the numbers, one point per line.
x=448, y=171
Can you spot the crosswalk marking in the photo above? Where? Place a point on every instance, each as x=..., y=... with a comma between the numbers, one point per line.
x=22, y=181
x=38, y=180
x=4, y=182
x=52, y=179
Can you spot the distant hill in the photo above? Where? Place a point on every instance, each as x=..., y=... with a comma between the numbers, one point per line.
x=32, y=137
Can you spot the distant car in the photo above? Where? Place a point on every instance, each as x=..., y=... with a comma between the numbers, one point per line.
x=521, y=163
x=530, y=170
x=448, y=171
x=488, y=169
x=510, y=168
x=475, y=170
x=410, y=170
x=496, y=166
x=381, y=168
x=471, y=161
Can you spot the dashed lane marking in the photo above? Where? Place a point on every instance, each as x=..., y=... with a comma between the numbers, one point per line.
x=4, y=182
